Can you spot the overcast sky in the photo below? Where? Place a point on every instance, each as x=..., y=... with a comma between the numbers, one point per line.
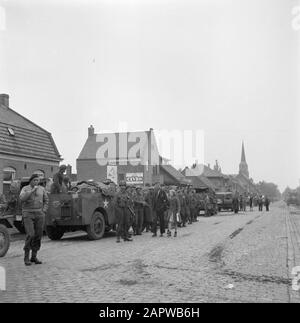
x=229, y=67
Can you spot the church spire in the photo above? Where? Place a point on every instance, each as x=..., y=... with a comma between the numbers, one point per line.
x=243, y=164
x=243, y=159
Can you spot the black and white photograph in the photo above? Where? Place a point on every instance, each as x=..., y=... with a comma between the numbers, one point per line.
x=149, y=154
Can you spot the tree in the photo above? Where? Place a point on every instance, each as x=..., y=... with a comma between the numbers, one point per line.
x=270, y=190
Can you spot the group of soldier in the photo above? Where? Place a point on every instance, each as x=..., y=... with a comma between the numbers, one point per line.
x=147, y=208
x=136, y=208
x=241, y=201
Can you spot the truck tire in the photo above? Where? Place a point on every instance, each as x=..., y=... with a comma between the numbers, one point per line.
x=4, y=240
x=19, y=226
x=96, y=228
x=54, y=233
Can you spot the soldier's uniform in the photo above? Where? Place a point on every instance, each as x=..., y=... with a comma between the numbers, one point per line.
x=181, y=198
x=235, y=203
x=193, y=206
x=139, y=210
x=187, y=207
x=122, y=212
x=148, y=209
x=34, y=205
x=131, y=214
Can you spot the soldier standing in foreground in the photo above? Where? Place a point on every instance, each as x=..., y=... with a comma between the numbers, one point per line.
x=34, y=205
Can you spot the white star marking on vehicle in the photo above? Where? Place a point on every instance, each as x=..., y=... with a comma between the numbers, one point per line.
x=106, y=203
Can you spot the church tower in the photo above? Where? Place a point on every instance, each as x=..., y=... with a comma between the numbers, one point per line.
x=243, y=164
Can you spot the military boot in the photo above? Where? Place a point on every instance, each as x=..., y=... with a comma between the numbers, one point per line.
x=26, y=258
x=34, y=258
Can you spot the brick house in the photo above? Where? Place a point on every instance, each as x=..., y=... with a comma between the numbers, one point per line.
x=25, y=148
x=129, y=156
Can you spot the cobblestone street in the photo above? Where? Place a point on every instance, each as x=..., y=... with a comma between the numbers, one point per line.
x=253, y=251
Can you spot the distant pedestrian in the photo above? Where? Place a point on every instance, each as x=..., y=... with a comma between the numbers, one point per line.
x=260, y=203
x=267, y=203
x=251, y=203
x=235, y=203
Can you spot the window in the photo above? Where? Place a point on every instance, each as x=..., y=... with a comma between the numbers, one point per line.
x=9, y=174
x=11, y=132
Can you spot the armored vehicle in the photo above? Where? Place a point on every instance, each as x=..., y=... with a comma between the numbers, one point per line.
x=88, y=207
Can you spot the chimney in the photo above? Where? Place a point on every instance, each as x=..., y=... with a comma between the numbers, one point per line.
x=4, y=100
x=69, y=170
x=91, y=131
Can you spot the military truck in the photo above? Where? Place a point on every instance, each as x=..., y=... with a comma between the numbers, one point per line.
x=89, y=207
x=224, y=201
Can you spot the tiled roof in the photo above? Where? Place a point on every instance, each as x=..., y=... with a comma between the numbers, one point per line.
x=202, y=181
x=174, y=173
x=92, y=144
x=208, y=172
x=201, y=169
x=29, y=140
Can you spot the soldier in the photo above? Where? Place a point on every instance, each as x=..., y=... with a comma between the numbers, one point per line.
x=244, y=202
x=173, y=213
x=251, y=202
x=187, y=205
x=260, y=203
x=241, y=202
x=34, y=205
x=267, y=203
x=148, y=209
x=131, y=221
x=57, y=186
x=235, y=203
x=160, y=206
x=139, y=210
x=182, y=201
x=193, y=206
x=122, y=212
